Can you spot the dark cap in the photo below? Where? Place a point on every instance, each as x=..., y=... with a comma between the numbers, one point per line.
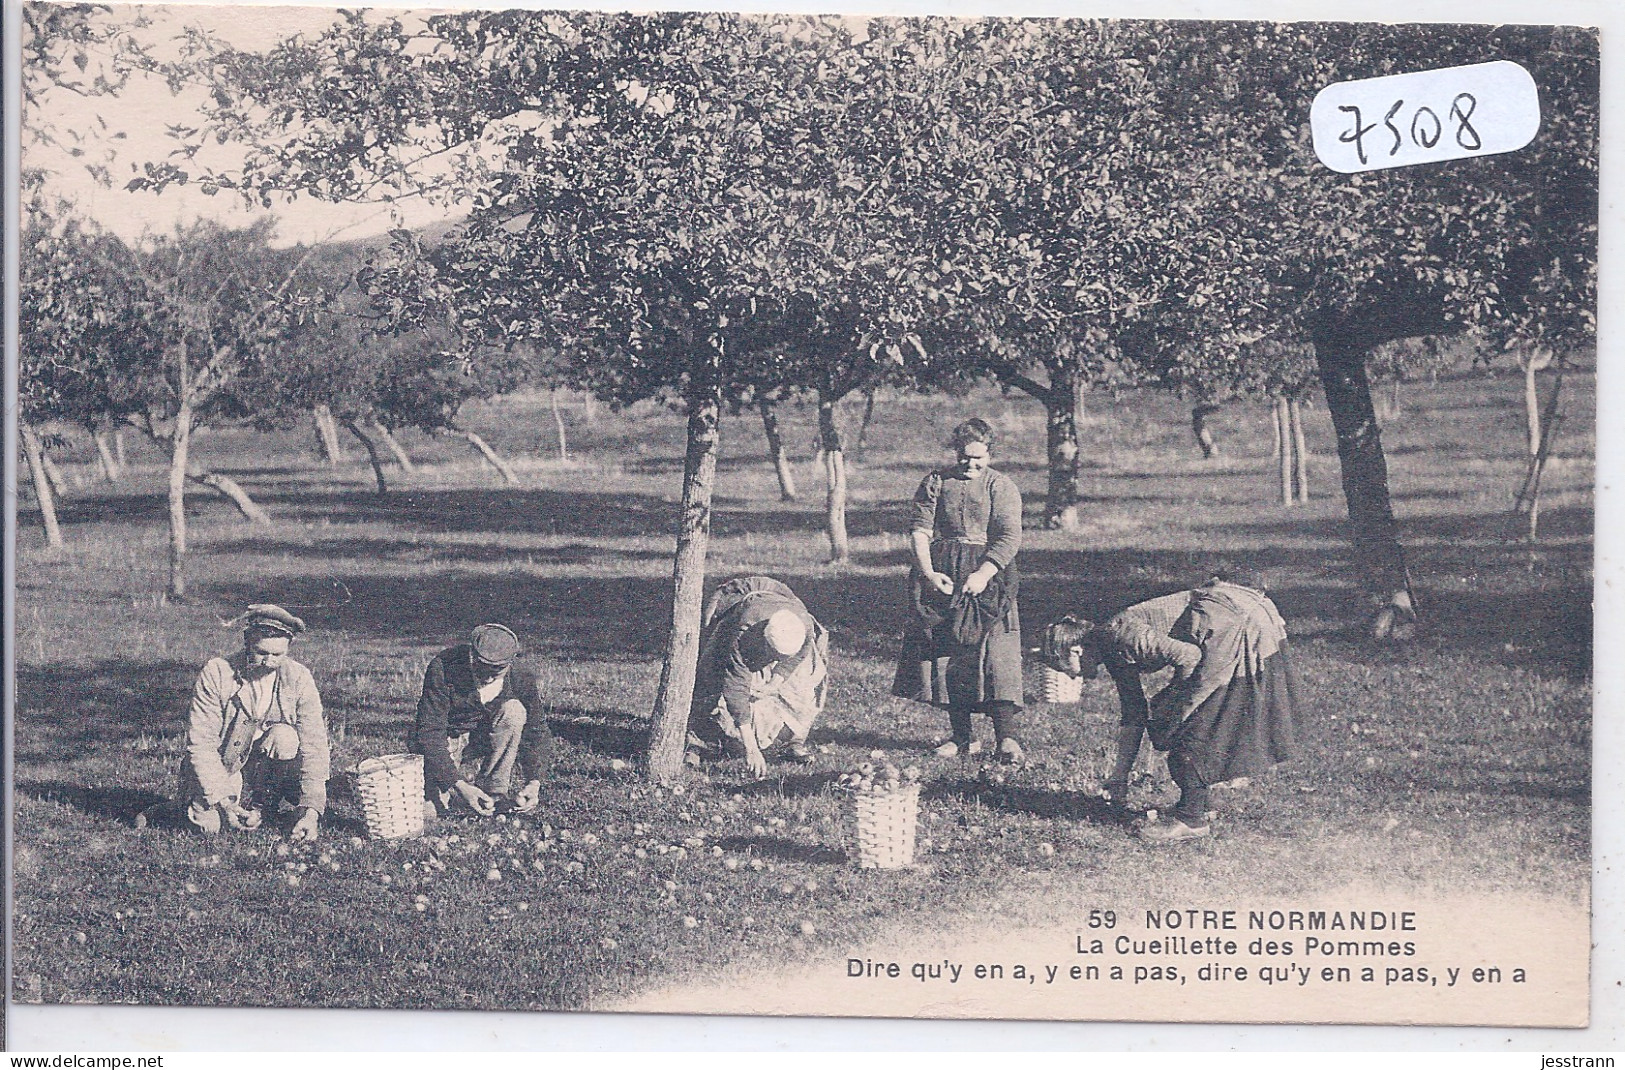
x=494, y=644
x=273, y=620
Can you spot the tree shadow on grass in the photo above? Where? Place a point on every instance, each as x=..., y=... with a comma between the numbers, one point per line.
x=428, y=553
x=783, y=850
x=1022, y=799
x=1483, y=596
x=571, y=513
x=1457, y=779
x=785, y=784
x=347, y=820
x=124, y=804
x=65, y=711
x=868, y=741
x=1501, y=612
x=614, y=618
x=120, y=804
x=613, y=735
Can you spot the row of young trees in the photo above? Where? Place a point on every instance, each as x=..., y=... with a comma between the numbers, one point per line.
x=215, y=324
x=717, y=211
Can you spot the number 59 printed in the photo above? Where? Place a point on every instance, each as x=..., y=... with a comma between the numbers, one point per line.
x=1425, y=117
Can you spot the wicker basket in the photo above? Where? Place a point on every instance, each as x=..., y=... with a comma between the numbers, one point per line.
x=1059, y=687
x=391, y=792
x=881, y=827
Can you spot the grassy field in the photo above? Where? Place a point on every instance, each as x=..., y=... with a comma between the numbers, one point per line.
x=1461, y=760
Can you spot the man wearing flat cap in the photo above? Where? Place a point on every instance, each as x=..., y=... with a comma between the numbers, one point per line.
x=256, y=738
x=480, y=727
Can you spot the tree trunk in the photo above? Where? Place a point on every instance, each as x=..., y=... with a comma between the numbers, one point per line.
x=1377, y=551
x=118, y=450
x=558, y=425
x=1531, y=402
x=327, y=435
x=1061, y=428
x=1300, y=448
x=669, y=722
x=829, y=437
x=42, y=483
x=863, y=428
x=1393, y=397
x=372, y=456
x=402, y=458
x=1204, y=433
x=112, y=470
x=775, y=450
x=1529, y=495
x=1283, y=434
x=1275, y=429
x=180, y=441
x=488, y=453
x=229, y=489
x=589, y=409
x=52, y=473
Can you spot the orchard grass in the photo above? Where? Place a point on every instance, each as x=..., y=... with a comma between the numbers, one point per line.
x=1459, y=762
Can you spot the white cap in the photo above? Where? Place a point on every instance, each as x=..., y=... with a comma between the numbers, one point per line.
x=785, y=632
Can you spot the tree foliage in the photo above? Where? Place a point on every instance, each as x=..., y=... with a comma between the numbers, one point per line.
x=89, y=51
x=701, y=207
x=87, y=328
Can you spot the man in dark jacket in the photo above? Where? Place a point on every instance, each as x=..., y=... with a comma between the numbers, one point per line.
x=480, y=727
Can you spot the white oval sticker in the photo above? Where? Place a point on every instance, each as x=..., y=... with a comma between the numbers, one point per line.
x=1425, y=117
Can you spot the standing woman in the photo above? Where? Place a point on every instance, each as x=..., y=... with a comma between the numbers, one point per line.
x=962, y=650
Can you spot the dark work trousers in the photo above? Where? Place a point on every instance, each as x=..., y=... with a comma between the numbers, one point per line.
x=1193, y=794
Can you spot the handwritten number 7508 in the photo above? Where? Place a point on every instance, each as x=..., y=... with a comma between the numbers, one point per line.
x=1425, y=131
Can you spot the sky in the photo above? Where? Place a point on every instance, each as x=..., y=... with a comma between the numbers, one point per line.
x=146, y=107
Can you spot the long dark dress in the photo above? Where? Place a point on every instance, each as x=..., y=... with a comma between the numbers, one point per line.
x=970, y=521
x=1242, y=698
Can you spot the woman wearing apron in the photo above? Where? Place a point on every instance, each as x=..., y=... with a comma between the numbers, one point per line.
x=962, y=649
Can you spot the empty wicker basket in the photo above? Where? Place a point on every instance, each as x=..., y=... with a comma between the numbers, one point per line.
x=391, y=792
x=882, y=826
x=1059, y=687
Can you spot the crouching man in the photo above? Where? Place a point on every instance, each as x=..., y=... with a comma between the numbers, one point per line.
x=760, y=683
x=256, y=739
x=480, y=727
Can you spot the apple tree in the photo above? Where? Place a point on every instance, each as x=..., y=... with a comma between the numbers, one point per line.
x=1504, y=245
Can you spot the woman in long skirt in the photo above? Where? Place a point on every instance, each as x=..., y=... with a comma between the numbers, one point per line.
x=1235, y=715
x=962, y=648
x=1231, y=709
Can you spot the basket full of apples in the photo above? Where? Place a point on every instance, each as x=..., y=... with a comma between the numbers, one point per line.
x=883, y=813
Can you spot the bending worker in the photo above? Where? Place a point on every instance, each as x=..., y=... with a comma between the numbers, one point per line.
x=760, y=684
